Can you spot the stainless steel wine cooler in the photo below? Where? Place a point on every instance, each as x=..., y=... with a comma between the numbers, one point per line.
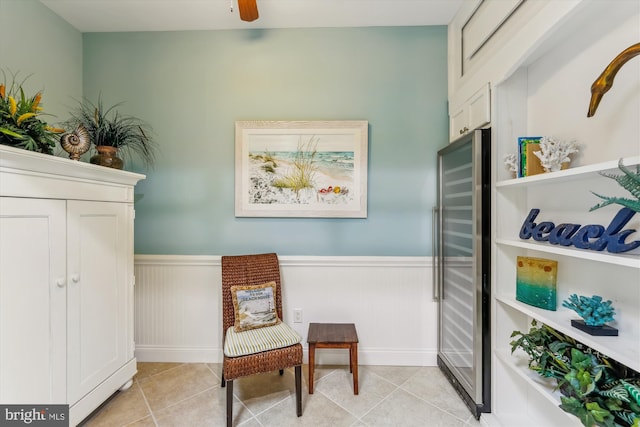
x=462, y=266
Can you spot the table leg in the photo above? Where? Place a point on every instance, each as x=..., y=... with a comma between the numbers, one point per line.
x=312, y=361
x=351, y=358
x=354, y=364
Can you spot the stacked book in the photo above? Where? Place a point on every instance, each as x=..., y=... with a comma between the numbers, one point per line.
x=529, y=163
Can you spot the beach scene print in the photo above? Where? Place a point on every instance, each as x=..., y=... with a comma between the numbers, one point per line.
x=305, y=170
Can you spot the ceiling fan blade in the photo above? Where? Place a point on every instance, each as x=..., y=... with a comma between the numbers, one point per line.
x=248, y=10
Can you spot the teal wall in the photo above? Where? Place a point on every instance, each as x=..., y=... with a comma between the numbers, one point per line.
x=192, y=86
x=37, y=43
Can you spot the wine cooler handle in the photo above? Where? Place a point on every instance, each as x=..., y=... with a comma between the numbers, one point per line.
x=434, y=256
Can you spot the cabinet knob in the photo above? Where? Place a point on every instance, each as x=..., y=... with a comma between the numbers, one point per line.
x=75, y=278
x=463, y=130
x=60, y=282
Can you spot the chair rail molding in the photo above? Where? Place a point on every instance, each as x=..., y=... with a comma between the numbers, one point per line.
x=178, y=306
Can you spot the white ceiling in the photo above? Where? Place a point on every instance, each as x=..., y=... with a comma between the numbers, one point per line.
x=177, y=15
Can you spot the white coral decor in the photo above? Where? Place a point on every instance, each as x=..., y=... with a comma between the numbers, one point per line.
x=511, y=162
x=553, y=153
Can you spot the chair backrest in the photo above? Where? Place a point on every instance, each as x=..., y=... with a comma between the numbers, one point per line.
x=247, y=270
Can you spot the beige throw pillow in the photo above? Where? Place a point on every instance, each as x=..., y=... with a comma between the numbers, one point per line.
x=254, y=306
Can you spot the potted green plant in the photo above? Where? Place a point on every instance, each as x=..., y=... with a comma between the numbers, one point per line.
x=20, y=122
x=596, y=389
x=114, y=134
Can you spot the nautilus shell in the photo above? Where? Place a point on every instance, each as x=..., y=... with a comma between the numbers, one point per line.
x=76, y=143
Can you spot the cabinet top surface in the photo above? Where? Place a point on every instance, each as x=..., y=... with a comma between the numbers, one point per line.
x=24, y=161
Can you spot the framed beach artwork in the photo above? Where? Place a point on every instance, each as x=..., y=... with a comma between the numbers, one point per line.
x=301, y=169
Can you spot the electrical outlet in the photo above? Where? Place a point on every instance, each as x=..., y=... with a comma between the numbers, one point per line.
x=297, y=315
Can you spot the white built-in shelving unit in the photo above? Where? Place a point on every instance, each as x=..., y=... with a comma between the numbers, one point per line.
x=547, y=93
x=562, y=197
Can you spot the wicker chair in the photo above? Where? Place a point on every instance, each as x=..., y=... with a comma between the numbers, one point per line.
x=248, y=270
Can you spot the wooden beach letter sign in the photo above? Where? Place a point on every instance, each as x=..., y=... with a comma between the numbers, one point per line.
x=593, y=237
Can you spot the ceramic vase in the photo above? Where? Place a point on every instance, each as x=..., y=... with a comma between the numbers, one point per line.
x=107, y=156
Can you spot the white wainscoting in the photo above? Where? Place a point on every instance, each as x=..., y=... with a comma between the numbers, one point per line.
x=177, y=306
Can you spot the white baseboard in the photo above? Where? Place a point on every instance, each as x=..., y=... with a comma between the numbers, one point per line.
x=150, y=353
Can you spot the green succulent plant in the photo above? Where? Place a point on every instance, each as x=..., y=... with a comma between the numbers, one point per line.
x=630, y=181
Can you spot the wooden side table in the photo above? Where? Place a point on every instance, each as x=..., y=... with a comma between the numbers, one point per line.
x=333, y=335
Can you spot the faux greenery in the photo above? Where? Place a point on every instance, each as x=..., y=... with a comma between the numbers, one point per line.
x=20, y=122
x=596, y=389
x=630, y=181
x=593, y=310
x=106, y=126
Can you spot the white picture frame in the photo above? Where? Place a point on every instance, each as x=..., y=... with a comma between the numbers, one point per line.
x=307, y=169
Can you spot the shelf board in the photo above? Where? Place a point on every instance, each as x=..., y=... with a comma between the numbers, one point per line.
x=624, y=348
x=519, y=364
x=577, y=173
x=623, y=259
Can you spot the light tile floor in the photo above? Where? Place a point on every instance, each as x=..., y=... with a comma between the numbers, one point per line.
x=189, y=394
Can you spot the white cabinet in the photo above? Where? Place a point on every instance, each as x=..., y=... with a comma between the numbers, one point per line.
x=483, y=24
x=475, y=34
x=548, y=94
x=66, y=281
x=473, y=114
x=489, y=39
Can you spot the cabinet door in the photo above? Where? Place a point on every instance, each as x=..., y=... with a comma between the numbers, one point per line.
x=458, y=124
x=99, y=256
x=479, y=108
x=32, y=301
x=483, y=24
x=474, y=113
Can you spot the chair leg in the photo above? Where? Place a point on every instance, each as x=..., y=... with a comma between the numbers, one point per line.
x=298, y=370
x=223, y=381
x=229, y=403
x=281, y=372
